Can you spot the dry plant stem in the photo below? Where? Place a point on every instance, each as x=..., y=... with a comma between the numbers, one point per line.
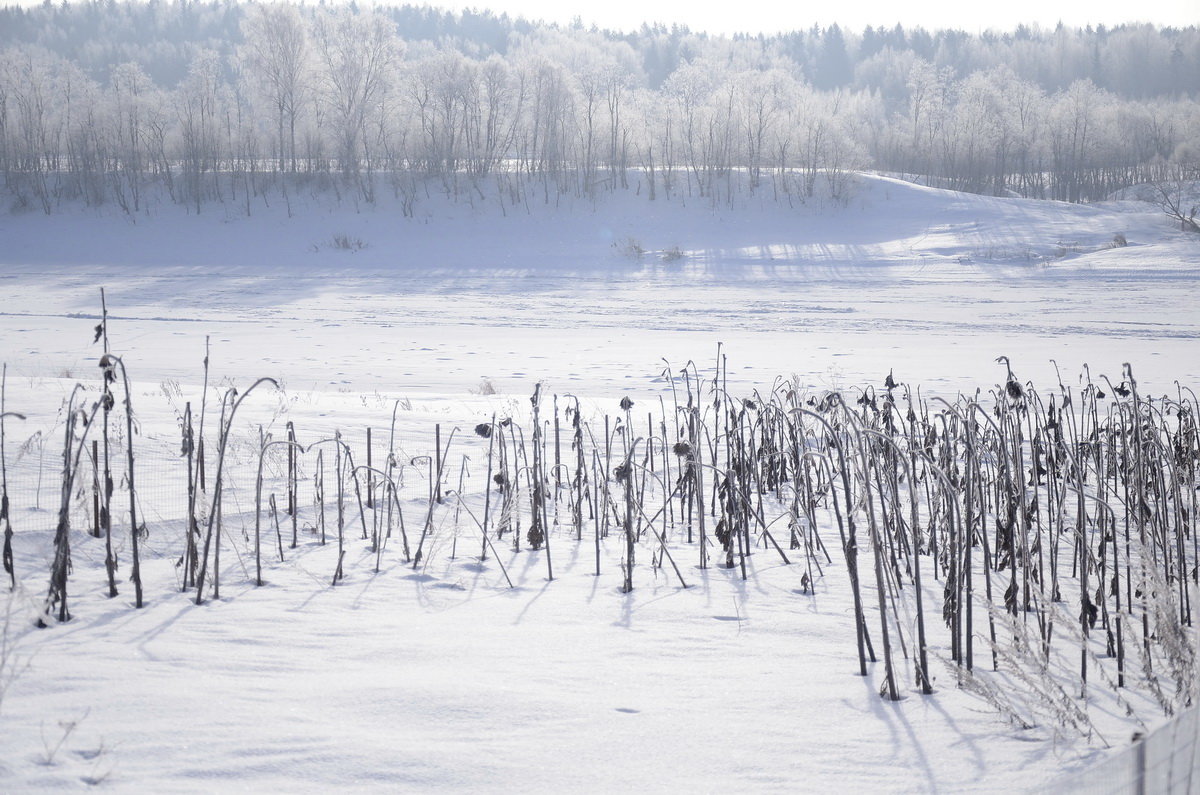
x=629, y=535
x=970, y=415
x=893, y=692
x=56, y=598
x=9, y=564
x=135, y=531
x=579, y=489
x=557, y=459
x=849, y=540
x=601, y=508
x=462, y=476
x=370, y=475
x=95, y=458
x=278, y=532
x=486, y=540
x=520, y=464
x=340, y=473
x=319, y=495
x=955, y=529
x=342, y=464
x=264, y=446
x=650, y=520
x=353, y=470
x=213, y=521
x=190, y=533
x=909, y=465
x=214, y=511
x=697, y=470
x=487, y=487
x=434, y=497
x=293, y=506
x=539, y=529
x=379, y=538
x=970, y=468
x=394, y=482
x=198, y=483
x=437, y=457
x=110, y=560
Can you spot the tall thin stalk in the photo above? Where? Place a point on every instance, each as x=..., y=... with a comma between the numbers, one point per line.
x=9, y=564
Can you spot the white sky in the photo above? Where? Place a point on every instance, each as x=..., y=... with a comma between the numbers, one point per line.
x=772, y=16
x=769, y=16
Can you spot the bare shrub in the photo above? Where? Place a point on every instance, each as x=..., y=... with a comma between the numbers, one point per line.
x=1179, y=204
x=630, y=248
x=485, y=387
x=343, y=242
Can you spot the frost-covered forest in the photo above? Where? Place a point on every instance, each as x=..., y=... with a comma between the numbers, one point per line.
x=227, y=102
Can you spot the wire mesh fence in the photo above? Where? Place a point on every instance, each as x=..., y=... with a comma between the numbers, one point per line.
x=1163, y=762
x=161, y=475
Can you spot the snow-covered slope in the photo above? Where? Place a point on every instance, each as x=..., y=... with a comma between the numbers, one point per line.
x=885, y=222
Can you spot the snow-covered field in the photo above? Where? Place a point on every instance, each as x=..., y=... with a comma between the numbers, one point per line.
x=932, y=283
x=442, y=677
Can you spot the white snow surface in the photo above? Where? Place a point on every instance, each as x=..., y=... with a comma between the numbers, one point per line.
x=442, y=678
x=933, y=283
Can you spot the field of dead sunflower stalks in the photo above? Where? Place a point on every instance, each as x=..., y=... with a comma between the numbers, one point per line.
x=1038, y=544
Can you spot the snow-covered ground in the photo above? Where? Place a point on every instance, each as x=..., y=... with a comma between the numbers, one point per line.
x=443, y=677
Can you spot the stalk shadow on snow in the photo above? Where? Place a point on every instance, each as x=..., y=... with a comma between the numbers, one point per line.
x=891, y=714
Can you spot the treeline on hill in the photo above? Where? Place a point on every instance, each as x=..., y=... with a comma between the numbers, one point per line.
x=226, y=101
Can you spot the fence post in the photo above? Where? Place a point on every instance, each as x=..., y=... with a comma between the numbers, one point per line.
x=1139, y=763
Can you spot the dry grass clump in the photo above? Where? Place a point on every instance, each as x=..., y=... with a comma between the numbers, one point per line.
x=344, y=242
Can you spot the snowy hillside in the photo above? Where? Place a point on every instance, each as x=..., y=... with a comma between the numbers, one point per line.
x=452, y=673
x=885, y=222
